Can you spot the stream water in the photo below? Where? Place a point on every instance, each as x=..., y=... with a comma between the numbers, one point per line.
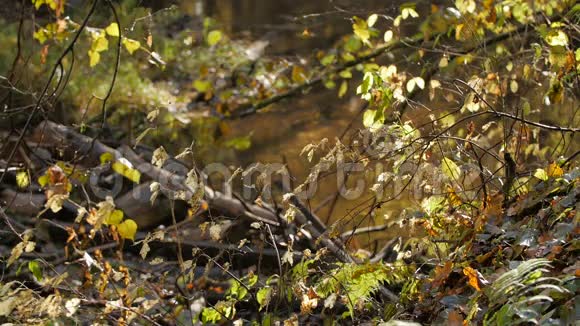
x=280, y=134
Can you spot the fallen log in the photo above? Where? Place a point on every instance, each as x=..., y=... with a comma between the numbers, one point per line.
x=89, y=151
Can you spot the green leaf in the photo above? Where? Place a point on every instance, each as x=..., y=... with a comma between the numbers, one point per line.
x=210, y=315
x=127, y=229
x=237, y=290
x=369, y=118
x=113, y=30
x=450, y=169
x=346, y=74
x=343, y=88
x=239, y=143
x=22, y=179
x=35, y=269
x=131, y=45
x=263, y=297
x=367, y=84
x=214, y=37
x=327, y=59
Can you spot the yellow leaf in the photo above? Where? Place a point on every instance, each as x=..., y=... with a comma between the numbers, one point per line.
x=202, y=85
x=554, y=170
x=541, y=174
x=113, y=30
x=94, y=58
x=40, y=35
x=131, y=45
x=106, y=158
x=127, y=229
x=453, y=198
x=298, y=74
x=50, y=3
x=22, y=179
x=361, y=29
x=127, y=172
x=100, y=43
x=43, y=180
x=472, y=276
x=214, y=37
x=114, y=218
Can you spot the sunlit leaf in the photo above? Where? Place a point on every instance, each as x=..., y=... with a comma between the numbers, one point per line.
x=465, y=6
x=409, y=12
x=239, y=143
x=554, y=170
x=22, y=179
x=106, y=158
x=52, y=4
x=100, y=43
x=473, y=280
x=263, y=297
x=131, y=45
x=388, y=36
x=202, y=86
x=40, y=35
x=343, y=88
x=369, y=118
x=114, y=218
x=55, y=202
x=346, y=74
x=214, y=37
x=327, y=59
x=541, y=174
x=372, y=20
x=113, y=30
x=126, y=171
x=94, y=58
x=35, y=269
x=557, y=38
x=361, y=30
x=514, y=86
x=450, y=169
x=43, y=180
x=416, y=81
x=127, y=229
